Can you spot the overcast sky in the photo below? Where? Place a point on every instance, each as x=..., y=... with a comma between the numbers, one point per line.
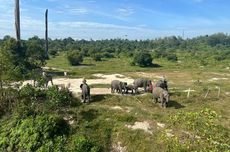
x=105, y=19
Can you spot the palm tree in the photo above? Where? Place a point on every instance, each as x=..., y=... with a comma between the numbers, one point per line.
x=17, y=20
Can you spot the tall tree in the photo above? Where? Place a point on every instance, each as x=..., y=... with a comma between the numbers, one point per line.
x=46, y=33
x=17, y=20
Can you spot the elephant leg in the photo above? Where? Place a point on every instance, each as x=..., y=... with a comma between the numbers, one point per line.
x=156, y=100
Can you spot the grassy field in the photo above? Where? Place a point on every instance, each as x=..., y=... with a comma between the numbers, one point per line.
x=107, y=118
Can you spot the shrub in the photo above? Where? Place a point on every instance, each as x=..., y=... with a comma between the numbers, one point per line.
x=75, y=58
x=27, y=91
x=39, y=133
x=97, y=56
x=143, y=59
x=81, y=144
x=172, y=57
x=208, y=136
x=58, y=97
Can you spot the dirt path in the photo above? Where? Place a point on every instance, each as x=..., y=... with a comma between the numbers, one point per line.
x=74, y=84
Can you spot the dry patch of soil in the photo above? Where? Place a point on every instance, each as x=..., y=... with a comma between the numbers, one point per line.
x=145, y=126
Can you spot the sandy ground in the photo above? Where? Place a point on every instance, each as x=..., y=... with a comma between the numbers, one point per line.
x=74, y=84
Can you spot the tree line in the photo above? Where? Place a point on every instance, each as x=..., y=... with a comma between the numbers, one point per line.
x=21, y=58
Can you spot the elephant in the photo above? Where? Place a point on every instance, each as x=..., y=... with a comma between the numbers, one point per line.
x=48, y=78
x=129, y=87
x=118, y=86
x=85, y=93
x=163, y=95
x=141, y=82
x=163, y=84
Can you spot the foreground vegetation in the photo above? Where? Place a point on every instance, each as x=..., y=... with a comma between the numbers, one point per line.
x=37, y=119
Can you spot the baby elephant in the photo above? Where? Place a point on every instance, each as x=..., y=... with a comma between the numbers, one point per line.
x=118, y=86
x=163, y=84
x=129, y=87
x=163, y=95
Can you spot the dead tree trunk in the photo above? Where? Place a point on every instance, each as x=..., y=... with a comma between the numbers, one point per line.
x=46, y=33
x=17, y=20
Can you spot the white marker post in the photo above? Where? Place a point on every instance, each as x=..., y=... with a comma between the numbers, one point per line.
x=189, y=90
x=207, y=93
x=218, y=93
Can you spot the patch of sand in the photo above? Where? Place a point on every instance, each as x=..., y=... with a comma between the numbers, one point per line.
x=74, y=83
x=160, y=125
x=141, y=125
x=216, y=79
x=117, y=147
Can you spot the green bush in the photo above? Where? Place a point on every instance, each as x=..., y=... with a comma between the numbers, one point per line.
x=58, y=97
x=172, y=57
x=75, y=57
x=97, y=56
x=81, y=144
x=143, y=59
x=27, y=91
x=34, y=133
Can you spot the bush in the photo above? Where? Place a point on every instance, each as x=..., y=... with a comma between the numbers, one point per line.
x=81, y=144
x=58, y=97
x=39, y=133
x=97, y=56
x=202, y=125
x=27, y=91
x=172, y=57
x=143, y=59
x=75, y=58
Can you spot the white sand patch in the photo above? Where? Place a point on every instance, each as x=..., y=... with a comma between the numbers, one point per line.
x=160, y=125
x=169, y=133
x=216, y=79
x=74, y=84
x=117, y=147
x=69, y=119
x=141, y=125
x=227, y=93
x=117, y=108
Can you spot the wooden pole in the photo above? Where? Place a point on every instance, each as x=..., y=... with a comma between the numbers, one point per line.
x=218, y=93
x=188, y=93
x=17, y=20
x=207, y=94
x=46, y=33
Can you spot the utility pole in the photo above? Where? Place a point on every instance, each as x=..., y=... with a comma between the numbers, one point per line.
x=183, y=34
x=17, y=20
x=46, y=33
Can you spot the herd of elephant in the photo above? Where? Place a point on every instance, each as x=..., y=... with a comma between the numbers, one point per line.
x=158, y=90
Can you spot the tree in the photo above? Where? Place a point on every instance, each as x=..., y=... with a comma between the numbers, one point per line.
x=143, y=59
x=74, y=57
x=6, y=67
x=35, y=54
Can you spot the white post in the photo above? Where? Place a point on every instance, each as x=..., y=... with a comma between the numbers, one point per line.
x=188, y=92
x=218, y=93
x=207, y=94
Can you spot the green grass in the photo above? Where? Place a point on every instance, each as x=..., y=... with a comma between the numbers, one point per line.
x=106, y=125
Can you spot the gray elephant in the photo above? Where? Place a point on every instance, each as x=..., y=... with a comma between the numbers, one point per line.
x=163, y=95
x=130, y=87
x=141, y=82
x=118, y=86
x=163, y=84
x=85, y=92
x=48, y=78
